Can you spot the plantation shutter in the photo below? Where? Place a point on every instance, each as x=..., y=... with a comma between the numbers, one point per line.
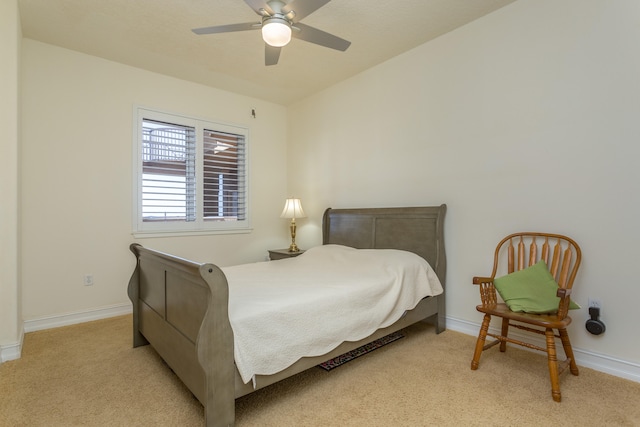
x=168, y=172
x=224, y=171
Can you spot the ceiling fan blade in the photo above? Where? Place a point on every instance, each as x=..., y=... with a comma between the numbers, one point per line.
x=271, y=54
x=313, y=35
x=258, y=6
x=227, y=28
x=303, y=8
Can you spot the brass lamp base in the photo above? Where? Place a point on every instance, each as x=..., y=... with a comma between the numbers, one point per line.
x=293, y=247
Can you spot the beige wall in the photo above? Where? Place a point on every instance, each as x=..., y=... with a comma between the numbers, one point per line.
x=10, y=315
x=76, y=172
x=526, y=119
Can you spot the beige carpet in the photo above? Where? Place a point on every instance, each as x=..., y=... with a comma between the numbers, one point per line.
x=89, y=375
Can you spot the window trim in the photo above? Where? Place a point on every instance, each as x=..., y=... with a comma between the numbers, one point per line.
x=183, y=228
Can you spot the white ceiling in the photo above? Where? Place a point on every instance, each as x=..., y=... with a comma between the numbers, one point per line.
x=156, y=35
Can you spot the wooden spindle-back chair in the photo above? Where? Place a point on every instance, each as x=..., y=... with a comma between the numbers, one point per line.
x=517, y=252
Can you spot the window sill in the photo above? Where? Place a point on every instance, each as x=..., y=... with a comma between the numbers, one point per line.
x=156, y=233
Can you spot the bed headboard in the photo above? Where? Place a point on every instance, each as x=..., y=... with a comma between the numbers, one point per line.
x=415, y=229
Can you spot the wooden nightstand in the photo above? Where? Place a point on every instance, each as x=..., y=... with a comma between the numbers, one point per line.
x=275, y=254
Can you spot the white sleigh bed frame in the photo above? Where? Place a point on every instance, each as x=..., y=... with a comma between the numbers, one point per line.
x=181, y=307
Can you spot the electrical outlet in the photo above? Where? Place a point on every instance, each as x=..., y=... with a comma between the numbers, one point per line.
x=594, y=303
x=88, y=279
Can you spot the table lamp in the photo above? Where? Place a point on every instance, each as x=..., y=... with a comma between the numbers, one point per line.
x=293, y=209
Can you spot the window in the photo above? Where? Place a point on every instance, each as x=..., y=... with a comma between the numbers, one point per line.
x=191, y=175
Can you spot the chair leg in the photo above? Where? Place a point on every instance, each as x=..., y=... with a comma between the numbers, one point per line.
x=505, y=332
x=482, y=336
x=568, y=351
x=553, y=365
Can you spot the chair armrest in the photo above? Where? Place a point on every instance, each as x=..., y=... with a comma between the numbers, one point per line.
x=565, y=301
x=488, y=294
x=478, y=280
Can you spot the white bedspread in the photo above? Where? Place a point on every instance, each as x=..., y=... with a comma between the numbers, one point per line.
x=283, y=310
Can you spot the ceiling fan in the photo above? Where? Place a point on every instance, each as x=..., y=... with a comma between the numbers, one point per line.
x=280, y=22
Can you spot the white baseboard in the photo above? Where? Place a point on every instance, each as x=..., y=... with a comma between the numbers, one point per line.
x=599, y=362
x=76, y=317
x=12, y=351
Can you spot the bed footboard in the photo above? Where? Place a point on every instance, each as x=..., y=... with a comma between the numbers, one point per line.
x=181, y=309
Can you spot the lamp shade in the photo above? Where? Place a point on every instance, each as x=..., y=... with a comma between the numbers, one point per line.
x=276, y=32
x=292, y=209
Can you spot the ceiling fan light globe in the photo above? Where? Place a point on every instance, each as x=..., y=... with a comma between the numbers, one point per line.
x=276, y=32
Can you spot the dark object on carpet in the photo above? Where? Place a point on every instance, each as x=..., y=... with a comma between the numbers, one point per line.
x=367, y=348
